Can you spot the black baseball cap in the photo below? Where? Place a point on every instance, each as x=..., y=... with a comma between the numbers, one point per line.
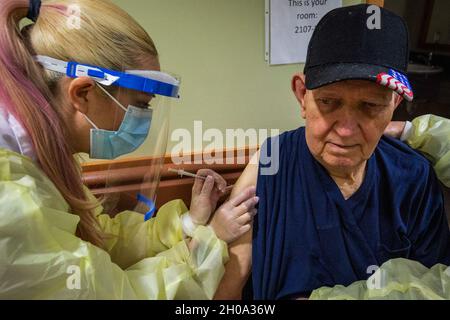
x=346, y=45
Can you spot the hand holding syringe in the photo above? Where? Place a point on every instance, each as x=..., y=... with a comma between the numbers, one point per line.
x=209, y=187
x=233, y=218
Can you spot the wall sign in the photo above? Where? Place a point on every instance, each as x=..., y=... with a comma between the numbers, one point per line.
x=289, y=27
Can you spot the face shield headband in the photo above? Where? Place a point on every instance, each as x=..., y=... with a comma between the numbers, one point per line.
x=151, y=82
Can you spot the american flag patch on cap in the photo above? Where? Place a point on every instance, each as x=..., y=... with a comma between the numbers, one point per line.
x=397, y=82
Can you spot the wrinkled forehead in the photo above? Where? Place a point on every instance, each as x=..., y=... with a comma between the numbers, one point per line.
x=355, y=89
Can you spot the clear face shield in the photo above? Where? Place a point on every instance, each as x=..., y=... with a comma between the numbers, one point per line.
x=137, y=150
x=132, y=138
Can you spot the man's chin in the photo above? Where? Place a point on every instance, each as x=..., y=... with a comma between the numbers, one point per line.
x=340, y=163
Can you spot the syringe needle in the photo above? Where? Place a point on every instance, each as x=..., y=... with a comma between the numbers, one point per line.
x=182, y=173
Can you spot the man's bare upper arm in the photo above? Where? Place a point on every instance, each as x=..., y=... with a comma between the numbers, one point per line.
x=248, y=177
x=239, y=266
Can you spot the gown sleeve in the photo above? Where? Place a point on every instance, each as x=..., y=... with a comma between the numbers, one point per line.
x=430, y=135
x=397, y=279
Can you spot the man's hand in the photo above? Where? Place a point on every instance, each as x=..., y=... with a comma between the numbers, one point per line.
x=205, y=195
x=395, y=129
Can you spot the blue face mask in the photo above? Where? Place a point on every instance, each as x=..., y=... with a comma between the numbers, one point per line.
x=131, y=134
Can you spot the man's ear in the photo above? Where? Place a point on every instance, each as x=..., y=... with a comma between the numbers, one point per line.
x=81, y=91
x=398, y=100
x=299, y=89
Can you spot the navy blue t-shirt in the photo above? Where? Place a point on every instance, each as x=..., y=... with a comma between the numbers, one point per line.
x=306, y=235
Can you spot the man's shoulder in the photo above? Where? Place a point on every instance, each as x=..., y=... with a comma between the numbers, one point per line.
x=287, y=138
x=400, y=159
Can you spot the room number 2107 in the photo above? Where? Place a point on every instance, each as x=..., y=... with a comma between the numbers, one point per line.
x=304, y=29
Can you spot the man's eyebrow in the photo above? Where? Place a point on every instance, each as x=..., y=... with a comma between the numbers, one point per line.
x=327, y=91
x=378, y=98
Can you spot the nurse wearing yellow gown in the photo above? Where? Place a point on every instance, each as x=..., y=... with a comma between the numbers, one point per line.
x=55, y=243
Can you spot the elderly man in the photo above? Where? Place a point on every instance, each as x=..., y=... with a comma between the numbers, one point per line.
x=345, y=199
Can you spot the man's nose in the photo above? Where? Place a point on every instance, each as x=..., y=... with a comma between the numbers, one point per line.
x=347, y=124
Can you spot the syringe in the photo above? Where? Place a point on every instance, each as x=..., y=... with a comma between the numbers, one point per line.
x=182, y=173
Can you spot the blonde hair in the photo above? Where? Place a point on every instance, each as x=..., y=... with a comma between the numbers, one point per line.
x=104, y=35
